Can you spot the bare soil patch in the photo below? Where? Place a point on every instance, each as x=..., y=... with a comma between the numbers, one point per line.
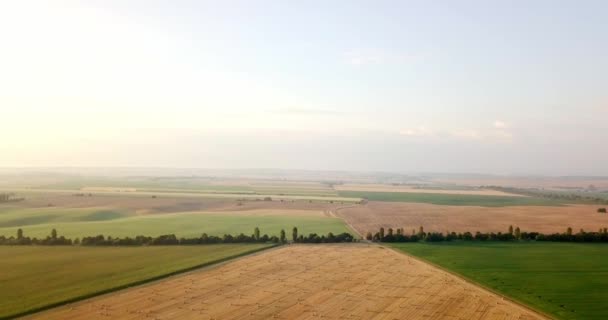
x=372, y=216
x=305, y=282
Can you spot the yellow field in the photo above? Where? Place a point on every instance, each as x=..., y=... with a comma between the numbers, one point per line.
x=305, y=282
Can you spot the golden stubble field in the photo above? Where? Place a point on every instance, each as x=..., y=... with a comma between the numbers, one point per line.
x=438, y=218
x=354, y=281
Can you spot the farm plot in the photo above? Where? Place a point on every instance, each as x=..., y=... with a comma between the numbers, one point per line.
x=372, y=216
x=305, y=282
x=191, y=225
x=34, y=277
x=567, y=280
x=410, y=189
x=452, y=199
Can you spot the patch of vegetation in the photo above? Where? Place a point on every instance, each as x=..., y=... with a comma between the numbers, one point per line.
x=185, y=225
x=15, y=217
x=453, y=199
x=55, y=275
x=565, y=280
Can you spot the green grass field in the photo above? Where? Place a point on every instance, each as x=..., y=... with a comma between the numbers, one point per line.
x=36, y=277
x=451, y=199
x=566, y=280
x=13, y=217
x=183, y=225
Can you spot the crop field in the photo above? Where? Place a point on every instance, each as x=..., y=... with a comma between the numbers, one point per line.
x=373, y=215
x=452, y=199
x=180, y=184
x=566, y=280
x=305, y=282
x=36, y=277
x=429, y=189
x=190, y=225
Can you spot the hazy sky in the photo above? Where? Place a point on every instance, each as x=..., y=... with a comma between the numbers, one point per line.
x=411, y=86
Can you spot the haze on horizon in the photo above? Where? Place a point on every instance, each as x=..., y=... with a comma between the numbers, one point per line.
x=403, y=86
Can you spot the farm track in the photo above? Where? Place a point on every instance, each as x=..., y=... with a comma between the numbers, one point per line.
x=354, y=281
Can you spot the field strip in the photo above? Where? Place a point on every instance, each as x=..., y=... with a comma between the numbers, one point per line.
x=406, y=189
x=355, y=281
x=190, y=195
x=140, y=284
x=471, y=282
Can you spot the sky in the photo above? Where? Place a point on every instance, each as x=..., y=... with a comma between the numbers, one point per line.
x=501, y=87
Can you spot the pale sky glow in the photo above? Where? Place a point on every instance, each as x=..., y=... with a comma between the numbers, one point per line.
x=410, y=86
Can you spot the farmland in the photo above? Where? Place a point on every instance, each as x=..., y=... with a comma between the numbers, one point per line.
x=452, y=199
x=443, y=218
x=189, y=225
x=563, y=279
x=422, y=189
x=303, y=282
x=128, y=214
x=35, y=277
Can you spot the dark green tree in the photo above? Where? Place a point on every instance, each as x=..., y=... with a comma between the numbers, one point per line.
x=381, y=233
x=294, y=234
x=256, y=233
x=19, y=234
x=53, y=234
x=511, y=230
x=282, y=238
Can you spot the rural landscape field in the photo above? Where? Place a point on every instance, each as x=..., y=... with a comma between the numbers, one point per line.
x=374, y=278
x=283, y=159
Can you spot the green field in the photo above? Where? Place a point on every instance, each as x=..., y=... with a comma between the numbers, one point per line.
x=452, y=199
x=36, y=277
x=566, y=280
x=14, y=217
x=182, y=225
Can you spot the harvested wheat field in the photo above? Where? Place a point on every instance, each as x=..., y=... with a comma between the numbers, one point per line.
x=356, y=281
x=438, y=218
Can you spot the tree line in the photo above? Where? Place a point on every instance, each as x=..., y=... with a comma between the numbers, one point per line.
x=8, y=197
x=171, y=239
x=399, y=235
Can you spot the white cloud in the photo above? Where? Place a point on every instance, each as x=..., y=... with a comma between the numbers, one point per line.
x=416, y=132
x=499, y=124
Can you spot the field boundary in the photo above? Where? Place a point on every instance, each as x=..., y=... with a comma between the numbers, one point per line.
x=333, y=213
x=473, y=282
x=180, y=272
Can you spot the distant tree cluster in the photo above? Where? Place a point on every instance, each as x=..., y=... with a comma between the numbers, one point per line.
x=329, y=238
x=8, y=197
x=50, y=240
x=511, y=235
x=171, y=239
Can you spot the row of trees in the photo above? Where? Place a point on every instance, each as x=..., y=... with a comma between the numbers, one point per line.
x=171, y=239
x=8, y=197
x=399, y=235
